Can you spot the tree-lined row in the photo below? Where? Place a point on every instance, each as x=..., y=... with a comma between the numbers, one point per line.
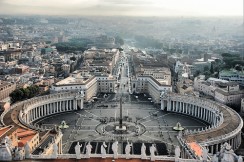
x=24, y=93
x=76, y=44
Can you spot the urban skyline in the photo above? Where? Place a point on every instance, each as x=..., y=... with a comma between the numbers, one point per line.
x=123, y=8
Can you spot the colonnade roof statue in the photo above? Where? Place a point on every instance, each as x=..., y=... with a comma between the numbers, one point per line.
x=80, y=94
x=103, y=150
x=77, y=150
x=226, y=154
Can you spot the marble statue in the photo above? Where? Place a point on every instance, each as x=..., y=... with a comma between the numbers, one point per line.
x=226, y=154
x=215, y=158
x=77, y=150
x=115, y=149
x=55, y=151
x=7, y=141
x=180, y=134
x=143, y=151
x=240, y=159
x=103, y=150
x=18, y=154
x=177, y=153
x=128, y=150
x=5, y=151
x=152, y=152
x=27, y=151
x=205, y=154
x=88, y=149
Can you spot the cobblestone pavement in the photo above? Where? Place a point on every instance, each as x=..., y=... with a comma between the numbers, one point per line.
x=158, y=124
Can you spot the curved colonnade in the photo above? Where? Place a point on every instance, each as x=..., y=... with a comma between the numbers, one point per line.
x=40, y=107
x=224, y=123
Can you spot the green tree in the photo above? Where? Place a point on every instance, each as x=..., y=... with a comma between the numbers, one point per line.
x=212, y=68
x=16, y=95
x=206, y=68
x=24, y=93
x=231, y=60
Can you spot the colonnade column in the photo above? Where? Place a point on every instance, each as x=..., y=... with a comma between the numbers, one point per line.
x=39, y=111
x=75, y=102
x=45, y=111
x=184, y=104
x=60, y=108
x=168, y=105
x=180, y=106
x=70, y=105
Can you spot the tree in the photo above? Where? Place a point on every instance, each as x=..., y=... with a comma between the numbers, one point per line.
x=231, y=60
x=16, y=95
x=212, y=68
x=206, y=68
x=24, y=93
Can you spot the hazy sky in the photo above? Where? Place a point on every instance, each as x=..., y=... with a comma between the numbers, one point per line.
x=124, y=7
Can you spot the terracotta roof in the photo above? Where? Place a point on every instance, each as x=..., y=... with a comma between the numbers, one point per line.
x=24, y=140
x=24, y=136
x=24, y=132
x=196, y=148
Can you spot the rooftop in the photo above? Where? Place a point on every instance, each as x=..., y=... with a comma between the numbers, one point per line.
x=231, y=72
x=231, y=122
x=3, y=84
x=216, y=79
x=74, y=80
x=229, y=93
x=196, y=148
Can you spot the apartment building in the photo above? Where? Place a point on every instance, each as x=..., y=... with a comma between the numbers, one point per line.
x=5, y=89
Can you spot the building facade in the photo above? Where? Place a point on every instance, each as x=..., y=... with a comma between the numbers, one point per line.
x=5, y=89
x=232, y=75
x=223, y=91
x=147, y=84
x=77, y=83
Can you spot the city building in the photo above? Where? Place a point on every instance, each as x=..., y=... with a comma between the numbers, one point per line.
x=89, y=84
x=77, y=82
x=5, y=89
x=151, y=86
x=106, y=83
x=232, y=75
x=223, y=91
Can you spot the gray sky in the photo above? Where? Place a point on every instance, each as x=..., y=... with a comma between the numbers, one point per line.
x=124, y=7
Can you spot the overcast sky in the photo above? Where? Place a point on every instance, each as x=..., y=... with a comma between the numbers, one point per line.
x=124, y=7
